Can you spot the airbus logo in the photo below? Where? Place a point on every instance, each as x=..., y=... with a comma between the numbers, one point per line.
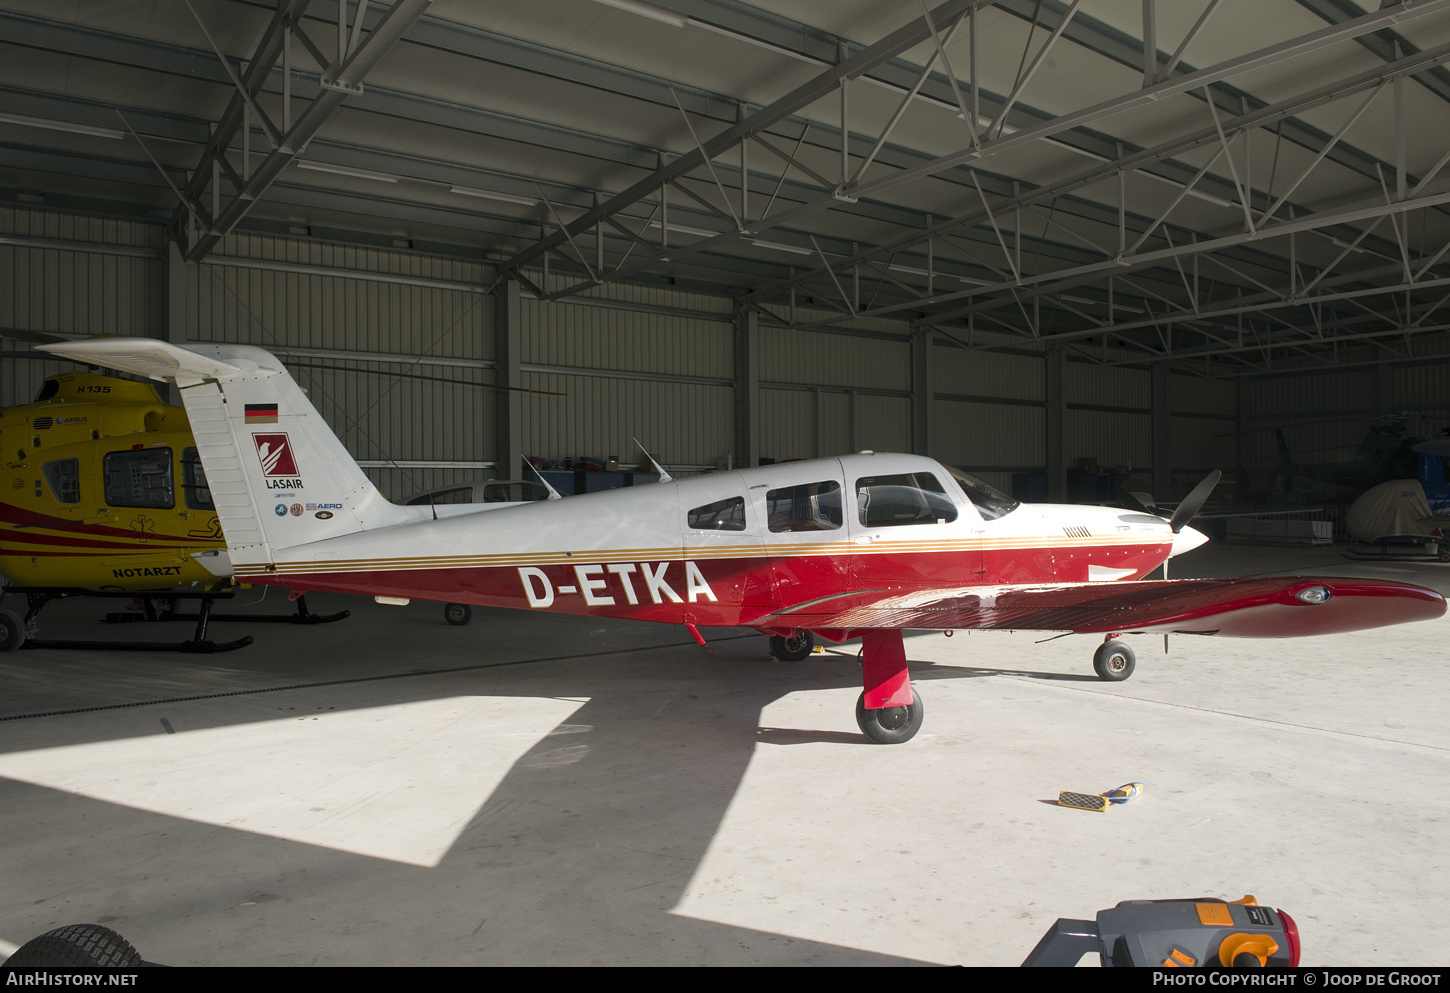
x=600, y=590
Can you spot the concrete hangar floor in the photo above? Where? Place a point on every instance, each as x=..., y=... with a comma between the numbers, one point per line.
x=554, y=791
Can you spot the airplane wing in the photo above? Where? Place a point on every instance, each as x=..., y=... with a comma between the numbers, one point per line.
x=1282, y=607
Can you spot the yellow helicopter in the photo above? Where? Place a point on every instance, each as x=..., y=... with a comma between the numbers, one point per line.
x=102, y=494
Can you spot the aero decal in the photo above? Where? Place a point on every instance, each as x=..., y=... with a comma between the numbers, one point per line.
x=276, y=455
x=597, y=589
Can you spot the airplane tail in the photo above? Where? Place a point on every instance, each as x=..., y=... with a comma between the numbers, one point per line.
x=278, y=475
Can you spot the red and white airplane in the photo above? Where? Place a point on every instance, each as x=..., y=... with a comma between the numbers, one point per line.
x=865, y=545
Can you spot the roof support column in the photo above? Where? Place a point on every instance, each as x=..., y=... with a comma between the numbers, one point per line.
x=175, y=303
x=1162, y=434
x=1243, y=426
x=922, y=391
x=747, y=387
x=508, y=379
x=1054, y=365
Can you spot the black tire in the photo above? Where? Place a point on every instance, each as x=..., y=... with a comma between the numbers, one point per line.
x=12, y=631
x=76, y=946
x=793, y=648
x=890, y=725
x=1114, y=661
x=457, y=614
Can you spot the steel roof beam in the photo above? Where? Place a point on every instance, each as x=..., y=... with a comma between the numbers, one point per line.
x=914, y=33
x=1181, y=83
x=1205, y=136
x=340, y=80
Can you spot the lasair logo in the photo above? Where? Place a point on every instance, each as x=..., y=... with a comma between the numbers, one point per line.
x=274, y=451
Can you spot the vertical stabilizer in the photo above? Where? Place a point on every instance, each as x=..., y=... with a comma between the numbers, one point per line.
x=277, y=473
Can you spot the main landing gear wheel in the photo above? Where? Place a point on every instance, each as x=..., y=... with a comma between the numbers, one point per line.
x=12, y=631
x=794, y=648
x=890, y=725
x=77, y=946
x=1114, y=661
x=457, y=614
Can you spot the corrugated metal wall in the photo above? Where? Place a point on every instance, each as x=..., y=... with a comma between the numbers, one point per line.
x=668, y=377
x=331, y=306
x=397, y=350
x=1323, y=417
x=74, y=292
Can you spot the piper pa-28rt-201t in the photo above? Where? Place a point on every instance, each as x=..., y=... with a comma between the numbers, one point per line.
x=866, y=545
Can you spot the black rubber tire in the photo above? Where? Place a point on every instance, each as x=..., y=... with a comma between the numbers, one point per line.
x=1114, y=661
x=457, y=614
x=12, y=631
x=76, y=946
x=890, y=725
x=793, y=649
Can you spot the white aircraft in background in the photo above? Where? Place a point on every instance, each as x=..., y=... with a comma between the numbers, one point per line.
x=865, y=545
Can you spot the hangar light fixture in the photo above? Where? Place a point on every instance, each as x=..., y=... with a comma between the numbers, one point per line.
x=380, y=177
x=469, y=191
x=781, y=248
x=643, y=10
x=684, y=230
x=1102, y=303
x=40, y=122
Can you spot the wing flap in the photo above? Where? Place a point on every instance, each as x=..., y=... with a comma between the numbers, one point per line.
x=1242, y=608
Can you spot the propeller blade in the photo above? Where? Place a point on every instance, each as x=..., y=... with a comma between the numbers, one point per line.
x=1189, y=508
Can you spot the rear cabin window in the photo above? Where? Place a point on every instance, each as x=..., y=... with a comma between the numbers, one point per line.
x=808, y=507
x=910, y=498
x=64, y=477
x=193, y=482
x=722, y=515
x=140, y=478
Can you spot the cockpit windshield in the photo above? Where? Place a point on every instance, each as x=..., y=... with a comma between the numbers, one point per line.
x=990, y=502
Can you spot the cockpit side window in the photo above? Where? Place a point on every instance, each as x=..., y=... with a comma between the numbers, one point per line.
x=991, y=502
x=908, y=498
x=64, y=478
x=722, y=515
x=140, y=478
x=193, y=482
x=808, y=507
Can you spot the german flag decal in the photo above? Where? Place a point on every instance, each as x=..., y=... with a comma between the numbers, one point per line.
x=261, y=413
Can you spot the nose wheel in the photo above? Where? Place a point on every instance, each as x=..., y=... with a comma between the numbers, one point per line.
x=792, y=648
x=1114, y=660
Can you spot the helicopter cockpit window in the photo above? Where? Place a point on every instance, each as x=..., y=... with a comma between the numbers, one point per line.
x=64, y=477
x=910, y=498
x=722, y=515
x=809, y=507
x=140, y=478
x=48, y=389
x=193, y=482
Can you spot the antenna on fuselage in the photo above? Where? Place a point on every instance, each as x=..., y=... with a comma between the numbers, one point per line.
x=553, y=493
x=664, y=476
